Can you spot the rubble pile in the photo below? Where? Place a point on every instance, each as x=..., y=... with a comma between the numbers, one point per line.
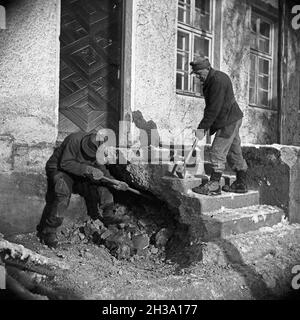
x=125, y=234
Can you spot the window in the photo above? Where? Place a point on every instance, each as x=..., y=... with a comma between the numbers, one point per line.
x=194, y=39
x=261, y=61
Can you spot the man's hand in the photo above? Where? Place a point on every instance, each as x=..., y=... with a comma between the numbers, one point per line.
x=123, y=186
x=94, y=173
x=200, y=134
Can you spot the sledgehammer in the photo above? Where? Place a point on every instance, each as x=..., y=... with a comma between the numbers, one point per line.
x=116, y=182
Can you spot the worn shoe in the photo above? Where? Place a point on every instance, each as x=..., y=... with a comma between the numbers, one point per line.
x=49, y=239
x=238, y=186
x=210, y=188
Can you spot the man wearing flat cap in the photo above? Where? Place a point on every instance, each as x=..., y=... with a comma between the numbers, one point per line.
x=73, y=168
x=223, y=117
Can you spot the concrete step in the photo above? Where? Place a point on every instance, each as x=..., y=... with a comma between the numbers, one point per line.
x=225, y=200
x=184, y=185
x=227, y=222
x=280, y=242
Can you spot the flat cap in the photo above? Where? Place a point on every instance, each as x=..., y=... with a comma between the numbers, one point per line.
x=199, y=64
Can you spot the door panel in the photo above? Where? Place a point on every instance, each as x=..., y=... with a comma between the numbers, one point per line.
x=90, y=61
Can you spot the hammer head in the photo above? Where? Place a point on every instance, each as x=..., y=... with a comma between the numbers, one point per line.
x=179, y=170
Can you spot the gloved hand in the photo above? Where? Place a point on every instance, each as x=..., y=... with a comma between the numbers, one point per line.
x=200, y=134
x=94, y=173
x=123, y=186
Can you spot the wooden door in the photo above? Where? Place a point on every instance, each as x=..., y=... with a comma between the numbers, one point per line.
x=90, y=63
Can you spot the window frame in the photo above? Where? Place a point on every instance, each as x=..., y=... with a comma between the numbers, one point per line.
x=262, y=55
x=193, y=32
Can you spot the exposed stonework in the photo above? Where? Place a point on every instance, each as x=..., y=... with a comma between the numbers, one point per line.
x=275, y=171
x=31, y=159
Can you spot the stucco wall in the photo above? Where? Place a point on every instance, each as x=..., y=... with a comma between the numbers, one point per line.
x=29, y=71
x=29, y=82
x=291, y=122
x=155, y=70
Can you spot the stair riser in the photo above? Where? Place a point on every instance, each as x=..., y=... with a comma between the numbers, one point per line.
x=229, y=201
x=222, y=229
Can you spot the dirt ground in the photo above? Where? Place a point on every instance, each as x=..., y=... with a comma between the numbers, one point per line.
x=96, y=275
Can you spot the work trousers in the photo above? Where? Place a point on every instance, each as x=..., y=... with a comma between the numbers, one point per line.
x=59, y=190
x=227, y=146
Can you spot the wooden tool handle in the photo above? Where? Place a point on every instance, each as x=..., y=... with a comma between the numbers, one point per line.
x=192, y=150
x=114, y=181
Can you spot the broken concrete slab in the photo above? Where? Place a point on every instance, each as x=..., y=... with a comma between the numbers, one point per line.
x=227, y=222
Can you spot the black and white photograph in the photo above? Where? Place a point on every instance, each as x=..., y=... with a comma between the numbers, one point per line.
x=149, y=153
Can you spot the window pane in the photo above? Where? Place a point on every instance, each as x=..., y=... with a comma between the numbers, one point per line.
x=180, y=61
x=184, y=12
x=252, y=80
x=181, y=14
x=202, y=21
x=265, y=29
x=202, y=14
x=182, y=81
x=263, y=98
x=186, y=81
x=183, y=41
x=197, y=88
x=264, y=45
x=179, y=82
x=183, y=61
x=252, y=62
x=263, y=82
x=253, y=24
x=203, y=5
x=252, y=96
x=263, y=66
x=201, y=47
x=253, y=41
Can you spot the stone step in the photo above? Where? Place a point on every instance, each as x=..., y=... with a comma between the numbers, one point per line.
x=227, y=222
x=280, y=242
x=184, y=185
x=226, y=200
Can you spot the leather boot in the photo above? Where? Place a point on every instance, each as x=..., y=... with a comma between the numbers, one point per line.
x=48, y=238
x=239, y=185
x=212, y=187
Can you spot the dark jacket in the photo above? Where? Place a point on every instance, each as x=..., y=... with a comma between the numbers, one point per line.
x=221, y=107
x=69, y=157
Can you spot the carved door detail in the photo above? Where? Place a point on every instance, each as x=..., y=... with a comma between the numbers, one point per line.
x=90, y=61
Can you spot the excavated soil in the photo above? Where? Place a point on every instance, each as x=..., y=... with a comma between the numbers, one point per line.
x=95, y=274
x=256, y=265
